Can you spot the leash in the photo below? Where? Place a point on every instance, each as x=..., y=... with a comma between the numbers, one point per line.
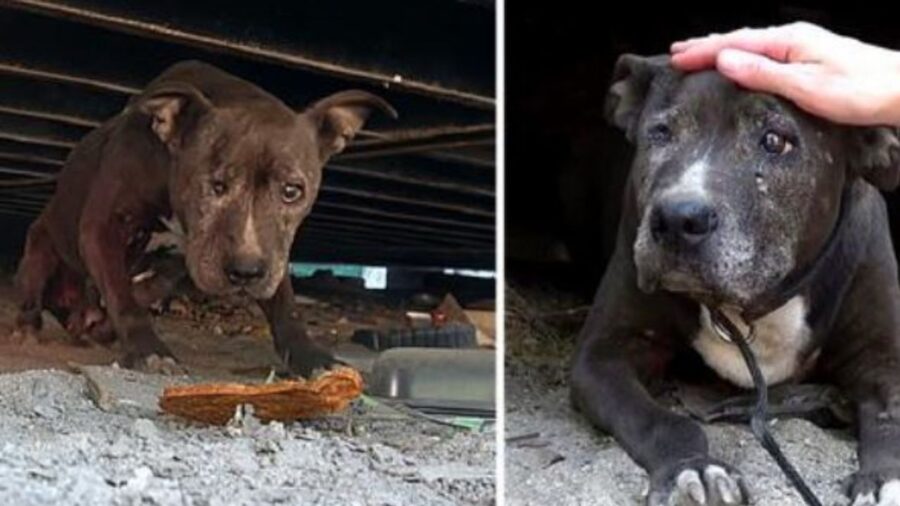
x=758, y=421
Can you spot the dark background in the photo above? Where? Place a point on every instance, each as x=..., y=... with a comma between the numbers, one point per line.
x=563, y=188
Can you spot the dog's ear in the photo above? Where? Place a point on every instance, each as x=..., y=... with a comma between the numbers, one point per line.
x=171, y=108
x=631, y=80
x=340, y=116
x=875, y=156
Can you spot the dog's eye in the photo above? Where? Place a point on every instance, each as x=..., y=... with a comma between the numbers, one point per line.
x=776, y=144
x=218, y=188
x=659, y=134
x=291, y=192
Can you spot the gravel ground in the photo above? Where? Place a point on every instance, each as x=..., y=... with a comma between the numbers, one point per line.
x=554, y=457
x=58, y=447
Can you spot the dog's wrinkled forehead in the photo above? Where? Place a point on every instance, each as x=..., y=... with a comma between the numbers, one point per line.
x=705, y=101
x=244, y=139
x=709, y=102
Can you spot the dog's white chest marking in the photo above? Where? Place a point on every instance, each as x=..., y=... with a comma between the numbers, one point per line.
x=781, y=338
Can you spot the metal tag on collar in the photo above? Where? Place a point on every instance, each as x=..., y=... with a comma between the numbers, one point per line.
x=723, y=333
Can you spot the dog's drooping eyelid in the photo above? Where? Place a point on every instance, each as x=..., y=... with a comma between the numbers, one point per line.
x=776, y=144
x=763, y=115
x=776, y=133
x=218, y=186
x=660, y=127
x=659, y=133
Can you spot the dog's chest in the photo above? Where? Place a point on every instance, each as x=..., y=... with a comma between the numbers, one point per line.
x=782, y=337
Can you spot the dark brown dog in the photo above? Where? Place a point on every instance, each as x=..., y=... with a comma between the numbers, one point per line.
x=233, y=166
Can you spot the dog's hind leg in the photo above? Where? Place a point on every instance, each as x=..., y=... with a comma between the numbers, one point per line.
x=39, y=264
x=104, y=253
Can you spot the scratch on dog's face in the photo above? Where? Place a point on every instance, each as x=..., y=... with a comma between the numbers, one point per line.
x=765, y=169
x=241, y=188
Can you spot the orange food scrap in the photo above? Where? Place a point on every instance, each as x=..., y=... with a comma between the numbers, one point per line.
x=284, y=401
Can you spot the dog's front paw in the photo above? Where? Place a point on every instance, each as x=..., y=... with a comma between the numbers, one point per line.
x=156, y=364
x=697, y=482
x=150, y=355
x=22, y=335
x=876, y=488
x=308, y=359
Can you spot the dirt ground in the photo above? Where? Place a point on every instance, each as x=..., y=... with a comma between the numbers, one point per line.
x=554, y=457
x=60, y=447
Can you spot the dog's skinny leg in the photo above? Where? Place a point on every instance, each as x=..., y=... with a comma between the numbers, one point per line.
x=609, y=392
x=608, y=389
x=39, y=263
x=294, y=347
x=871, y=380
x=104, y=254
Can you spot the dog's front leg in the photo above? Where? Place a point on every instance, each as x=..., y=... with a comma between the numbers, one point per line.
x=103, y=248
x=39, y=264
x=870, y=378
x=878, y=479
x=672, y=448
x=299, y=353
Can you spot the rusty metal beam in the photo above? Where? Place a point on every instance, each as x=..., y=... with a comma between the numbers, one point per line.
x=17, y=212
x=25, y=170
x=406, y=217
x=450, y=156
x=328, y=207
x=32, y=139
x=338, y=230
x=429, y=236
x=249, y=50
x=441, y=184
x=22, y=157
x=426, y=140
x=395, y=225
x=49, y=116
x=406, y=200
x=17, y=69
x=431, y=140
x=31, y=151
x=21, y=206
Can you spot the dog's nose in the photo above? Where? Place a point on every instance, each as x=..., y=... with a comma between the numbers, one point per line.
x=683, y=222
x=245, y=271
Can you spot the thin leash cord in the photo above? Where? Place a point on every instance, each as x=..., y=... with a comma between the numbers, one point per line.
x=758, y=421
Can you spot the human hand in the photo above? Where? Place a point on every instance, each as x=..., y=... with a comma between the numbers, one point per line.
x=836, y=77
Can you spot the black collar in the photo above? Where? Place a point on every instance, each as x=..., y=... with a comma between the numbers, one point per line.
x=799, y=279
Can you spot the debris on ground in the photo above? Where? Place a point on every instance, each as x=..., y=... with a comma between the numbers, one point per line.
x=76, y=431
x=58, y=447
